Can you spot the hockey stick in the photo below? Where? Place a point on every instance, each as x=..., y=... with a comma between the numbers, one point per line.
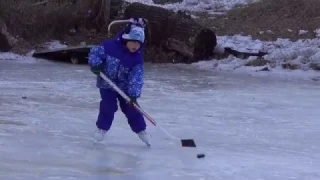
x=117, y=22
x=122, y=21
x=184, y=142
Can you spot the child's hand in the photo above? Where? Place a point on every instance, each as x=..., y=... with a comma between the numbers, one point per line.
x=96, y=70
x=132, y=101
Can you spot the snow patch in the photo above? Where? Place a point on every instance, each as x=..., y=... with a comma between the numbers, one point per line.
x=317, y=31
x=279, y=50
x=200, y=5
x=282, y=51
x=315, y=58
x=55, y=44
x=301, y=32
x=16, y=57
x=237, y=66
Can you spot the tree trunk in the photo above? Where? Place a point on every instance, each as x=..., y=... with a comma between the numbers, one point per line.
x=6, y=40
x=4, y=43
x=175, y=31
x=107, y=13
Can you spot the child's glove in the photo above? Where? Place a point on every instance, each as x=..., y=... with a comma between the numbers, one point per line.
x=132, y=101
x=96, y=70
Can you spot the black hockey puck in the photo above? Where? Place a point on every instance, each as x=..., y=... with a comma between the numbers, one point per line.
x=200, y=155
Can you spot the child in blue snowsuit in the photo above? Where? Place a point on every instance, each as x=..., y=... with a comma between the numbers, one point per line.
x=121, y=60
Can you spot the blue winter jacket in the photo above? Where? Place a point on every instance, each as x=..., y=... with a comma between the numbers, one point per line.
x=124, y=68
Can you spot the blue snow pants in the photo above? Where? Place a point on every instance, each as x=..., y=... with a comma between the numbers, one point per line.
x=108, y=107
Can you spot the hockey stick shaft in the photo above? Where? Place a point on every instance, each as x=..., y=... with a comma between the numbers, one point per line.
x=127, y=98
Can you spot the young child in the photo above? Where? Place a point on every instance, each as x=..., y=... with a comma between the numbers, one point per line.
x=121, y=60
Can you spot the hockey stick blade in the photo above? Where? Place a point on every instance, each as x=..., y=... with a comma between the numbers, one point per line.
x=188, y=143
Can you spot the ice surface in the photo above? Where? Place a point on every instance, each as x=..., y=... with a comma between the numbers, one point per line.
x=249, y=128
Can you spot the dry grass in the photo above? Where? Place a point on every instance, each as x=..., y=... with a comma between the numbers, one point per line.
x=275, y=15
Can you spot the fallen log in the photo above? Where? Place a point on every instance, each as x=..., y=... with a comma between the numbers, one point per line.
x=175, y=32
x=166, y=1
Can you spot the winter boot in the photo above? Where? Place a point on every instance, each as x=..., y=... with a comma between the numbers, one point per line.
x=145, y=137
x=99, y=134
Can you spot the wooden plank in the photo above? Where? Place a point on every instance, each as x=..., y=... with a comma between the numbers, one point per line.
x=72, y=48
x=73, y=54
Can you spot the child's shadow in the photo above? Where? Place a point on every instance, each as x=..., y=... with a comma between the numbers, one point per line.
x=112, y=159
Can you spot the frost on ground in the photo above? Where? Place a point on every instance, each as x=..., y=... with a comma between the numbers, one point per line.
x=200, y=5
x=300, y=54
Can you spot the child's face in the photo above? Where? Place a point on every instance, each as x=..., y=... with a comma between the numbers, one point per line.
x=133, y=46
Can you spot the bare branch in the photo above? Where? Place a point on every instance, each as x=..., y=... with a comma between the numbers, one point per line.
x=40, y=3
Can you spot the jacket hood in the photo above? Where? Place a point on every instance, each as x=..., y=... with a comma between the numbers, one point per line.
x=116, y=48
x=119, y=38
